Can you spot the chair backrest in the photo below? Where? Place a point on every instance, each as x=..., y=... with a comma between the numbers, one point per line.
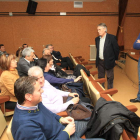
x=73, y=60
x=94, y=93
x=85, y=81
x=6, y=112
x=8, y=132
x=2, y=123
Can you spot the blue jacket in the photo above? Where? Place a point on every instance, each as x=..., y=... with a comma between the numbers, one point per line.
x=54, y=81
x=136, y=45
x=40, y=124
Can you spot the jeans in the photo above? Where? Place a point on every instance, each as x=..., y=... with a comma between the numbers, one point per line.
x=80, y=130
x=138, y=95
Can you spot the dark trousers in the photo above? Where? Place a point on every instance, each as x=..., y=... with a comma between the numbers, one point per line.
x=109, y=73
x=10, y=105
x=66, y=62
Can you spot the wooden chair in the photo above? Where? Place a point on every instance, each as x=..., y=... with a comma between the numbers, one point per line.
x=8, y=132
x=2, y=123
x=6, y=112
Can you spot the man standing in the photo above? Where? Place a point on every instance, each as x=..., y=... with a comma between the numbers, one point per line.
x=136, y=46
x=107, y=53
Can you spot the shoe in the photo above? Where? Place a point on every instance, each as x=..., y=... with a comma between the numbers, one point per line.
x=134, y=100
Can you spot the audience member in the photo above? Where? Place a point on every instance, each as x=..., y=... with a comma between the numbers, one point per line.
x=51, y=78
x=8, y=77
x=2, y=50
x=46, y=53
x=52, y=98
x=65, y=61
x=32, y=121
x=19, y=51
x=26, y=61
x=136, y=46
x=107, y=53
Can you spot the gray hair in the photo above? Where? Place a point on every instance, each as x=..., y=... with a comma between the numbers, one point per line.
x=103, y=25
x=27, y=52
x=34, y=69
x=47, y=46
x=44, y=50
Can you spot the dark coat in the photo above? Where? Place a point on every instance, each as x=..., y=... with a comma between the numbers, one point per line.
x=23, y=67
x=111, y=51
x=57, y=54
x=108, y=120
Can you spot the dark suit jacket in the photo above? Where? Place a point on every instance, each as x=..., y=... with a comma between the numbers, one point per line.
x=111, y=51
x=57, y=54
x=23, y=67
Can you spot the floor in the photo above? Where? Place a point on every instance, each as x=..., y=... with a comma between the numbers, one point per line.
x=126, y=90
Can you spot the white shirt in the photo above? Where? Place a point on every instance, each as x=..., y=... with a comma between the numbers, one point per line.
x=27, y=61
x=101, y=47
x=52, y=98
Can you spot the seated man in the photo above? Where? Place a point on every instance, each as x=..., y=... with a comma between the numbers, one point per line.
x=45, y=54
x=26, y=61
x=52, y=98
x=2, y=50
x=32, y=121
x=65, y=61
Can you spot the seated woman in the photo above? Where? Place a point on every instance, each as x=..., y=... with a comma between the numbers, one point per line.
x=8, y=78
x=54, y=81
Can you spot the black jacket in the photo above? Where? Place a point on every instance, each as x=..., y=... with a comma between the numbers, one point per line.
x=78, y=68
x=111, y=51
x=108, y=120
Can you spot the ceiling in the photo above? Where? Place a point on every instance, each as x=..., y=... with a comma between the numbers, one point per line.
x=58, y=0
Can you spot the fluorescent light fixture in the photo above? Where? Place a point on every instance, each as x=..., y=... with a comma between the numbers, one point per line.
x=10, y=14
x=63, y=13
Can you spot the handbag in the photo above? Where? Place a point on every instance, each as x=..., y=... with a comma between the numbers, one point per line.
x=78, y=112
x=65, y=88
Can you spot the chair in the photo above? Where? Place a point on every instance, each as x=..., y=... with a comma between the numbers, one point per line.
x=6, y=112
x=2, y=123
x=8, y=132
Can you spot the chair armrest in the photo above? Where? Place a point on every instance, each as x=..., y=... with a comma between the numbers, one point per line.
x=94, y=73
x=4, y=99
x=63, y=114
x=81, y=59
x=124, y=135
x=88, y=67
x=132, y=108
x=58, y=64
x=102, y=80
x=109, y=91
x=78, y=57
x=84, y=63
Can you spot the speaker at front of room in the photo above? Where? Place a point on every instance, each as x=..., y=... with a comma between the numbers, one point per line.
x=32, y=5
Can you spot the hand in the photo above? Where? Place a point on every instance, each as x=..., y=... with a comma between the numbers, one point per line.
x=62, y=69
x=67, y=120
x=138, y=41
x=75, y=100
x=70, y=128
x=77, y=79
x=73, y=94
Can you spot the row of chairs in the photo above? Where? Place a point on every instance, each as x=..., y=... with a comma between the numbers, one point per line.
x=95, y=90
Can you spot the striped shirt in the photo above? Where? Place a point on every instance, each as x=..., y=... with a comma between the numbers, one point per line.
x=26, y=108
